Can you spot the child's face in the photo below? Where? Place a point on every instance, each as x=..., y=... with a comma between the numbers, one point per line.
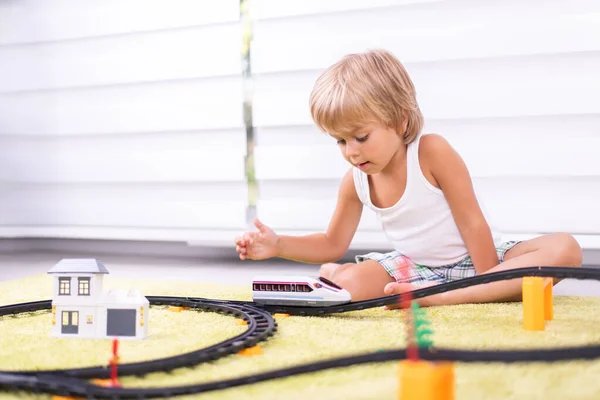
x=370, y=148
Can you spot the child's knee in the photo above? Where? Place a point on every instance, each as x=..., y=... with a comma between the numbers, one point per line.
x=332, y=271
x=327, y=270
x=567, y=250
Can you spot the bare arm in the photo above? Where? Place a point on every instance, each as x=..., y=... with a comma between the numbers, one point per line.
x=331, y=245
x=452, y=176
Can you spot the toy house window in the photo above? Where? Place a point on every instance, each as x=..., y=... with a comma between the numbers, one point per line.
x=84, y=286
x=64, y=286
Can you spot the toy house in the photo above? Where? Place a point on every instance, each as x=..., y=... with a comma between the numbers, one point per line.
x=82, y=308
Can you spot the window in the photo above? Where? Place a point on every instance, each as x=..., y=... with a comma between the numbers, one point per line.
x=84, y=286
x=303, y=288
x=64, y=286
x=283, y=287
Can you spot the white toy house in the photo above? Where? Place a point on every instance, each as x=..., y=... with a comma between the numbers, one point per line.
x=81, y=308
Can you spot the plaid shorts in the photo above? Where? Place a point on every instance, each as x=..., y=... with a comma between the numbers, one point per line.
x=394, y=261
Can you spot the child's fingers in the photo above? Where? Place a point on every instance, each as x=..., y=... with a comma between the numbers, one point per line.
x=242, y=243
x=249, y=238
x=259, y=225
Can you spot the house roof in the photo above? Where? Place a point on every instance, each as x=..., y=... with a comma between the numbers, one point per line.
x=115, y=297
x=79, y=265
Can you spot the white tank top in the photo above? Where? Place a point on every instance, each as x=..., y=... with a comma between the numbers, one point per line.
x=420, y=225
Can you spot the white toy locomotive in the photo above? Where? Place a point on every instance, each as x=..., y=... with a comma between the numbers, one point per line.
x=294, y=290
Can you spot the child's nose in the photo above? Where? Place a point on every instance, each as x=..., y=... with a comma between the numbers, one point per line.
x=351, y=150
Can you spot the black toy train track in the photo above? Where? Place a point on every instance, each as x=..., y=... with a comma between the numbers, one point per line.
x=261, y=325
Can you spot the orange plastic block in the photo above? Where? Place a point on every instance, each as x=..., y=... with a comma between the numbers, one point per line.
x=177, y=308
x=105, y=382
x=66, y=398
x=537, y=302
x=280, y=315
x=241, y=322
x=251, y=351
x=548, y=299
x=425, y=380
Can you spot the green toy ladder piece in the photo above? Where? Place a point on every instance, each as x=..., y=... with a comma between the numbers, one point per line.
x=421, y=326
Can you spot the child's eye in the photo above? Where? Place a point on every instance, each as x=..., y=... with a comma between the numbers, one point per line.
x=362, y=139
x=341, y=141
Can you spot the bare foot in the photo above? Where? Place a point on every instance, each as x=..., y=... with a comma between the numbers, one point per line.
x=399, y=288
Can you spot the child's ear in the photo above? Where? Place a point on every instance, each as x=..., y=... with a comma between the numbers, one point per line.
x=403, y=125
x=404, y=121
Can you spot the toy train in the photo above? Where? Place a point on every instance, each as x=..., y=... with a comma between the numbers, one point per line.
x=296, y=290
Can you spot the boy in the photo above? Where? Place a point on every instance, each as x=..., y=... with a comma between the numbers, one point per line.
x=419, y=187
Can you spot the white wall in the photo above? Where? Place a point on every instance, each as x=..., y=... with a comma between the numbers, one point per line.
x=121, y=119
x=513, y=85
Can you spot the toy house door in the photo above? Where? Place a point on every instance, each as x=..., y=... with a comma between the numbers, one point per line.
x=120, y=322
x=70, y=322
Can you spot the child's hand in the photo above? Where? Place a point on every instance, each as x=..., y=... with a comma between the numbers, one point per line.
x=257, y=245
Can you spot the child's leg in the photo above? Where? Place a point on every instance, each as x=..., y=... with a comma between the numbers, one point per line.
x=557, y=249
x=364, y=280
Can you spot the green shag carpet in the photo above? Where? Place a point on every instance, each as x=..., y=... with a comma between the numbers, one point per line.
x=25, y=344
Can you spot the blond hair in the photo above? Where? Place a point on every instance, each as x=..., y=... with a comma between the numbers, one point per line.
x=366, y=87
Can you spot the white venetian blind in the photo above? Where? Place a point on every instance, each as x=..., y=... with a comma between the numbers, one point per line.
x=513, y=85
x=121, y=119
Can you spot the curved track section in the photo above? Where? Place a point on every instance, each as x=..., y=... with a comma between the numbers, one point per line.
x=70, y=382
x=75, y=387
x=261, y=326
x=550, y=272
